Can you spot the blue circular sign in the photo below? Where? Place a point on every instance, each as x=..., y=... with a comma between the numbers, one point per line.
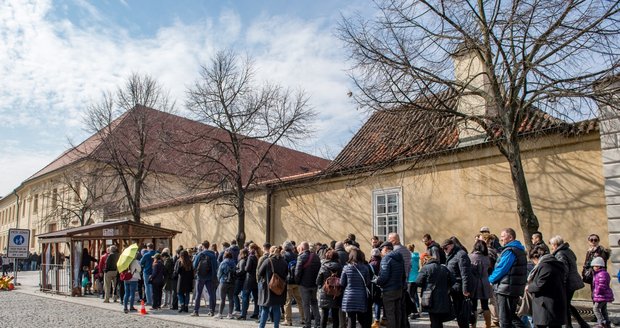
x=18, y=240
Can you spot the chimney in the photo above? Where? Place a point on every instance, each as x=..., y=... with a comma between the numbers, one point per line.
x=469, y=73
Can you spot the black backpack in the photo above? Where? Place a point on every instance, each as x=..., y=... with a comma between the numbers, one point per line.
x=204, y=266
x=231, y=274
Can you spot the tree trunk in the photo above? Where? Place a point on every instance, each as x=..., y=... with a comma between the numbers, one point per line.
x=241, y=218
x=527, y=218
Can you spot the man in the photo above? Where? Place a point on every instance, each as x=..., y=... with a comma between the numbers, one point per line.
x=306, y=271
x=538, y=242
x=459, y=265
x=292, y=288
x=433, y=249
x=146, y=262
x=109, y=278
x=375, y=242
x=205, y=266
x=509, y=278
x=562, y=251
x=351, y=240
x=266, y=248
x=394, y=239
x=392, y=282
x=234, y=250
x=343, y=256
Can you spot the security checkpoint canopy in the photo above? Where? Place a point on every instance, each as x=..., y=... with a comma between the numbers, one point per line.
x=121, y=229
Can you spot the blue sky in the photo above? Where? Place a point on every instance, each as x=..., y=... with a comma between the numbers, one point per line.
x=59, y=56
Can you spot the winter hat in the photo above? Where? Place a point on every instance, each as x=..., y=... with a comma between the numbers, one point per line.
x=375, y=252
x=598, y=261
x=387, y=244
x=485, y=229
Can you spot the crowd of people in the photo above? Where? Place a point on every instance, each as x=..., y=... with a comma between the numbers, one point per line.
x=337, y=284
x=31, y=263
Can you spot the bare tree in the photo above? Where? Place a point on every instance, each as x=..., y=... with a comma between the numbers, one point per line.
x=129, y=138
x=252, y=120
x=510, y=58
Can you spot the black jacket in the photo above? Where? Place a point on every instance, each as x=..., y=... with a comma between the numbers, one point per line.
x=459, y=264
x=308, y=265
x=265, y=296
x=548, y=293
x=435, y=280
x=327, y=269
x=435, y=251
x=110, y=263
x=565, y=255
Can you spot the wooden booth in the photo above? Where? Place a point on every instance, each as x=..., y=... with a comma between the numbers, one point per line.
x=61, y=251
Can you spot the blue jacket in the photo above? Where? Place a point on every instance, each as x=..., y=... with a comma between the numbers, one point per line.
x=213, y=259
x=354, y=295
x=226, y=266
x=146, y=262
x=392, y=273
x=505, y=262
x=415, y=267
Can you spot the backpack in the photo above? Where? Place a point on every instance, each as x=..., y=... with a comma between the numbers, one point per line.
x=291, y=272
x=204, y=266
x=126, y=275
x=231, y=275
x=276, y=283
x=332, y=286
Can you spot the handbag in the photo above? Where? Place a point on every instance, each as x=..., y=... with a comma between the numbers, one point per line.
x=526, y=305
x=276, y=283
x=466, y=311
x=427, y=297
x=368, y=293
x=587, y=275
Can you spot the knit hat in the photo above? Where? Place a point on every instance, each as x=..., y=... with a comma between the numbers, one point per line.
x=598, y=261
x=375, y=252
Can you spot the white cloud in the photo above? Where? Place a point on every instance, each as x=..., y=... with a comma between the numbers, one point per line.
x=52, y=69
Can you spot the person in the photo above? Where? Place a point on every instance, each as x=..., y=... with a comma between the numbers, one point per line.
x=355, y=280
x=411, y=280
x=328, y=303
x=205, y=268
x=595, y=250
x=269, y=301
x=174, y=279
x=435, y=281
x=375, y=242
x=509, y=278
x=101, y=270
x=87, y=259
x=459, y=265
x=250, y=285
x=147, y=269
x=392, y=283
x=240, y=269
x=110, y=273
x=184, y=271
x=492, y=240
x=433, y=249
x=86, y=284
x=157, y=281
x=168, y=282
x=546, y=285
x=226, y=274
x=537, y=241
x=306, y=271
x=131, y=285
x=562, y=251
x=377, y=302
x=343, y=256
x=601, y=292
x=481, y=289
x=292, y=288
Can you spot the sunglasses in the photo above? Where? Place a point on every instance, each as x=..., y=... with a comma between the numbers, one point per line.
x=594, y=240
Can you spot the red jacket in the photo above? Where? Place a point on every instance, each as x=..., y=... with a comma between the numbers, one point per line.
x=101, y=264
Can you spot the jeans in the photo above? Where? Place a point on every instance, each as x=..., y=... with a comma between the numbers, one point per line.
x=292, y=292
x=148, y=289
x=413, y=293
x=245, y=301
x=335, y=313
x=392, y=304
x=175, y=298
x=183, y=298
x=200, y=285
x=237, y=294
x=310, y=305
x=130, y=293
x=354, y=317
x=507, y=311
x=573, y=310
x=227, y=290
x=600, y=311
x=33, y=266
x=264, y=314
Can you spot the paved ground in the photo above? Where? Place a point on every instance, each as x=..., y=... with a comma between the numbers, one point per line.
x=28, y=307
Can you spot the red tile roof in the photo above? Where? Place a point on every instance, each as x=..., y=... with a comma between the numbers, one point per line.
x=173, y=143
x=415, y=132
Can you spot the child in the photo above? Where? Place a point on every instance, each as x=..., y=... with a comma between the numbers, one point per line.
x=601, y=292
x=86, y=281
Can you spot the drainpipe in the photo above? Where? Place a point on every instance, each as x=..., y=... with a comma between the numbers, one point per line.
x=268, y=215
x=17, y=211
x=16, y=261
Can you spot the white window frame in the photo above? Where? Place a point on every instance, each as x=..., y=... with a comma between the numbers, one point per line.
x=375, y=223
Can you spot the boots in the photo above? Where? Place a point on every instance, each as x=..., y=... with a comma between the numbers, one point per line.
x=487, y=318
x=375, y=324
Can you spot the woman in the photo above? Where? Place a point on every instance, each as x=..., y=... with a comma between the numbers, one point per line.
x=184, y=271
x=168, y=271
x=375, y=291
x=86, y=261
x=243, y=255
x=226, y=276
x=595, y=250
x=435, y=281
x=481, y=290
x=355, y=280
x=328, y=303
x=268, y=301
x=561, y=250
x=157, y=280
x=250, y=286
x=131, y=285
x=546, y=285
x=412, y=286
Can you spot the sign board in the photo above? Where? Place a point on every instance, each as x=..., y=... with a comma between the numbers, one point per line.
x=19, y=243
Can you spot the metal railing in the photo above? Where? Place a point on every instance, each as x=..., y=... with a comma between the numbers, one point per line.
x=55, y=278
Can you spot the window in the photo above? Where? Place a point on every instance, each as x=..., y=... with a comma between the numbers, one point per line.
x=51, y=227
x=35, y=206
x=387, y=212
x=158, y=225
